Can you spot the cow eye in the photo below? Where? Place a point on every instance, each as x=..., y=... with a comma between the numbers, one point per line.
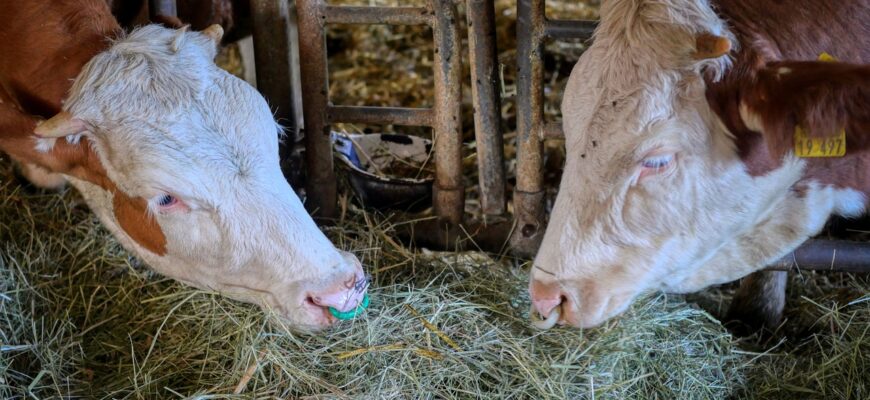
x=166, y=200
x=658, y=162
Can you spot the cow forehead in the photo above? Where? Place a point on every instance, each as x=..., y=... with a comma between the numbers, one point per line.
x=165, y=114
x=607, y=124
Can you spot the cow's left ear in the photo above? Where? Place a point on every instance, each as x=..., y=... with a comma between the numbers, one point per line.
x=62, y=124
x=708, y=45
x=215, y=33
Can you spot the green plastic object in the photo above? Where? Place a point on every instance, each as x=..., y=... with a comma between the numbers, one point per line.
x=346, y=315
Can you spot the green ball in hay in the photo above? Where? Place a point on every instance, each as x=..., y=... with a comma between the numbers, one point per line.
x=346, y=315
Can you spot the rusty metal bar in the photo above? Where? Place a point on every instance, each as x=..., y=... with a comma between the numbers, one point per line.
x=164, y=8
x=529, y=190
x=378, y=15
x=487, y=105
x=381, y=115
x=490, y=236
x=448, y=192
x=276, y=57
x=827, y=255
x=533, y=28
x=321, y=183
x=565, y=29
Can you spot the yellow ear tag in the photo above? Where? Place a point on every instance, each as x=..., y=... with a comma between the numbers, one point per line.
x=826, y=57
x=830, y=146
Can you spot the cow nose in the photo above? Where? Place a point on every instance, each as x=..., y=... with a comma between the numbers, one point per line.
x=343, y=295
x=546, y=299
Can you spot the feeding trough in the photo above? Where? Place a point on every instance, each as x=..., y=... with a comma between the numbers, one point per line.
x=387, y=171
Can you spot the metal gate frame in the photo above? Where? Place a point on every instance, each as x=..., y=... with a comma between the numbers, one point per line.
x=278, y=64
x=445, y=117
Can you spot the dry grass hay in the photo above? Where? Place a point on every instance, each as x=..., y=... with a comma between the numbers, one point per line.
x=81, y=318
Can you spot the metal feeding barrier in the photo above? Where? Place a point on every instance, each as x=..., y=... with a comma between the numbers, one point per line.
x=445, y=117
x=291, y=68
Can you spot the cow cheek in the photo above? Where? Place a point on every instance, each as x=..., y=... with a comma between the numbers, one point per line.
x=134, y=219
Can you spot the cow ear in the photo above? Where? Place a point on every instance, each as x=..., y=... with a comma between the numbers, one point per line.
x=60, y=125
x=215, y=33
x=708, y=45
x=178, y=40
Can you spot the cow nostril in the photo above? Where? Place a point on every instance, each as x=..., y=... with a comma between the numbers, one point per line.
x=544, y=323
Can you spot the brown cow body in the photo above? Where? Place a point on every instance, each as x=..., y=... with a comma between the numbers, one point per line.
x=774, y=35
x=822, y=97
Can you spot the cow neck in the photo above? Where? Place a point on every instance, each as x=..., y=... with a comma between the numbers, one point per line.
x=802, y=33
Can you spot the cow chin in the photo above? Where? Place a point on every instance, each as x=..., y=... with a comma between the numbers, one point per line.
x=593, y=306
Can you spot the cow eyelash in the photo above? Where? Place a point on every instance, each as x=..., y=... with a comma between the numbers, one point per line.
x=657, y=162
x=166, y=200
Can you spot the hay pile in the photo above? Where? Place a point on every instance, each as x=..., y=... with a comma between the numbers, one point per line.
x=79, y=317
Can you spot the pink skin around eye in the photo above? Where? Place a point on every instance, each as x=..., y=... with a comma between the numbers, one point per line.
x=649, y=171
x=172, y=204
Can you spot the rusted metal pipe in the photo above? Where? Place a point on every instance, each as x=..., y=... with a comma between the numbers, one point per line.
x=566, y=29
x=827, y=255
x=528, y=193
x=378, y=15
x=487, y=104
x=165, y=8
x=448, y=192
x=532, y=29
x=381, y=115
x=321, y=183
x=276, y=57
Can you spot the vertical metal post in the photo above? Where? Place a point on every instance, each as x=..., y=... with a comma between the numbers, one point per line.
x=321, y=183
x=448, y=192
x=277, y=70
x=487, y=104
x=165, y=8
x=529, y=191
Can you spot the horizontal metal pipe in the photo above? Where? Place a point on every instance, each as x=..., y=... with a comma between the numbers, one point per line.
x=378, y=15
x=827, y=255
x=569, y=29
x=381, y=115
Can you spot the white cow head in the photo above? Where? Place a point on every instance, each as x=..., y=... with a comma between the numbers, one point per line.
x=654, y=195
x=187, y=177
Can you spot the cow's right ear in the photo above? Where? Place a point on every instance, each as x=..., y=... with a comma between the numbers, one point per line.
x=61, y=125
x=214, y=32
x=708, y=45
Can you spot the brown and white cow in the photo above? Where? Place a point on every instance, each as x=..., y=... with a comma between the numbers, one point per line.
x=178, y=158
x=680, y=127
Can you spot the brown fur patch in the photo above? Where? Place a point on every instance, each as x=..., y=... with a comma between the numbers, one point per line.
x=133, y=218
x=793, y=34
x=821, y=97
x=39, y=62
